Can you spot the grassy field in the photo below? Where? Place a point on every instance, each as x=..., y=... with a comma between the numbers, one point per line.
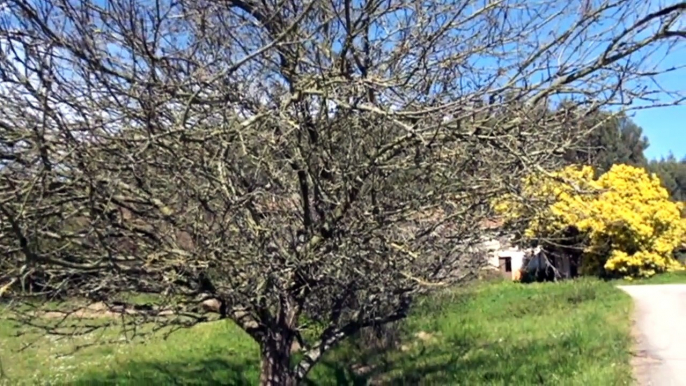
x=678, y=277
x=571, y=333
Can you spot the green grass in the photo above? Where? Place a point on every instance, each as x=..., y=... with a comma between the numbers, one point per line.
x=677, y=277
x=571, y=333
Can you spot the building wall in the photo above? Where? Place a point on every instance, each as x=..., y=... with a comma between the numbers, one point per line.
x=516, y=256
x=498, y=249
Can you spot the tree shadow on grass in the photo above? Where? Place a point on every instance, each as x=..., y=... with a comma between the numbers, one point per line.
x=452, y=361
x=458, y=361
x=212, y=371
x=387, y=366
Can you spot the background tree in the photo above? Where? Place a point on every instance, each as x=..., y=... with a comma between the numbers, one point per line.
x=613, y=139
x=672, y=172
x=304, y=163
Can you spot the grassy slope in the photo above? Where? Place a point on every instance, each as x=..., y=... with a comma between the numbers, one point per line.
x=572, y=333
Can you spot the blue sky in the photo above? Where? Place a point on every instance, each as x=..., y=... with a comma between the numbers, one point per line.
x=665, y=127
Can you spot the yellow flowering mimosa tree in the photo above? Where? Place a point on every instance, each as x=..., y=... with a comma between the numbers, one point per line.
x=630, y=227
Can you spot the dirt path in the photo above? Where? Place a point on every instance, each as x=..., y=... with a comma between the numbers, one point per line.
x=661, y=330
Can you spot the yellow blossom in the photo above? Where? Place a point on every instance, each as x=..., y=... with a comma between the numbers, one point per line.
x=631, y=226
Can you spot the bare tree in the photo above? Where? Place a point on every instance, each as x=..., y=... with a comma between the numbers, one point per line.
x=301, y=162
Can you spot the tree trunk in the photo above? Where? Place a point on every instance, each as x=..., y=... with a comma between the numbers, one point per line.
x=275, y=369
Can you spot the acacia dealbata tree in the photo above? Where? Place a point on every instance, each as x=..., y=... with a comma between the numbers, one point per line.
x=623, y=221
x=304, y=163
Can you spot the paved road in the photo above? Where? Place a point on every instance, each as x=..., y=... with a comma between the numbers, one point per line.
x=661, y=324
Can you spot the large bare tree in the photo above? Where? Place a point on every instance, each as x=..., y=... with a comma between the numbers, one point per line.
x=303, y=162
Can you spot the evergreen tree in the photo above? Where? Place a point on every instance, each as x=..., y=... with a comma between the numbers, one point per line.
x=672, y=172
x=611, y=140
